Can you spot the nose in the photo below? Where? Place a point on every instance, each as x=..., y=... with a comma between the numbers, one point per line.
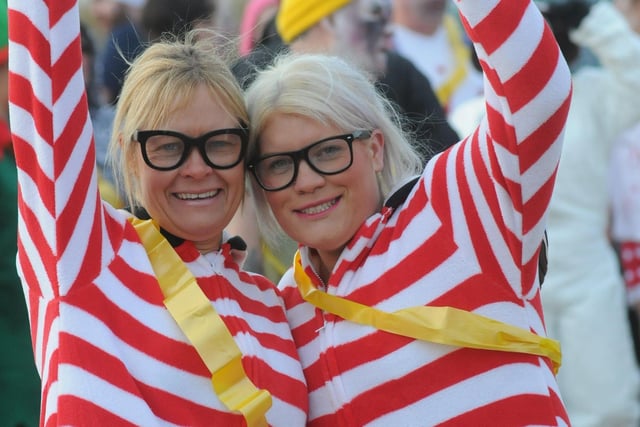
x=194, y=166
x=307, y=180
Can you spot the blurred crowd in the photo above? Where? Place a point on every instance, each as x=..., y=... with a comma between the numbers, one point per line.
x=419, y=56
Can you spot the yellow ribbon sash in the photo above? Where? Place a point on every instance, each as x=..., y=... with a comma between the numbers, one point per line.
x=443, y=325
x=204, y=328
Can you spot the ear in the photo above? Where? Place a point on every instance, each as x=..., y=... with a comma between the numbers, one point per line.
x=376, y=148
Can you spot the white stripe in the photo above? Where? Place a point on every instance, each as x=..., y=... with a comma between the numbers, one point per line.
x=85, y=385
x=61, y=36
x=474, y=11
x=31, y=251
x=37, y=12
x=22, y=64
x=50, y=344
x=544, y=105
x=142, y=367
x=539, y=173
x=23, y=126
x=514, y=380
x=517, y=50
x=532, y=240
x=490, y=228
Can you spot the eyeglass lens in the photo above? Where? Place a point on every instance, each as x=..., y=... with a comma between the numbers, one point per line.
x=330, y=156
x=167, y=151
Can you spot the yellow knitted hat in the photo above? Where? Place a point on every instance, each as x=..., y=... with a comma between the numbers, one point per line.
x=297, y=16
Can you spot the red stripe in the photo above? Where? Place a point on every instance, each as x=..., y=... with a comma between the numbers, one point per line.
x=129, y=329
x=481, y=246
x=22, y=32
x=74, y=411
x=512, y=411
x=69, y=63
x=488, y=181
x=58, y=8
x=533, y=147
x=498, y=25
x=281, y=386
x=48, y=379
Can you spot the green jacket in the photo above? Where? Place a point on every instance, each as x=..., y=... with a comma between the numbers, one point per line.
x=19, y=381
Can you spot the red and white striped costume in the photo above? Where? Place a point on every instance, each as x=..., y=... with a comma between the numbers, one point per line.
x=108, y=351
x=468, y=237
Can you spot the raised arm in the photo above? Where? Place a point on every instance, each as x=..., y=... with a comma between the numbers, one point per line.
x=510, y=163
x=606, y=33
x=59, y=227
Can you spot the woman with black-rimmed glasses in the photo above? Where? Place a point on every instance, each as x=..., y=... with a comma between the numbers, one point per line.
x=134, y=321
x=414, y=297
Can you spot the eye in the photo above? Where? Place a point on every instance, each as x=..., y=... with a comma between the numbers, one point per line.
x=221, y=145
x=164, y=145
x=276, y=165
x=329, y=150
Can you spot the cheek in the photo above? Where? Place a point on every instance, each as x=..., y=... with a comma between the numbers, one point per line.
x=148, y=185
x=235, y=179
x=276, y=200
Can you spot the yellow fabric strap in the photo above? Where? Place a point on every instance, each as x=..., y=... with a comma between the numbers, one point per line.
x=204, y=328
x=460, y=58
x=443, y=325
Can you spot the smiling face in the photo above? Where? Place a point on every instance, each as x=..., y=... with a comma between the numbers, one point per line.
x=194, y=201
x=323, y=211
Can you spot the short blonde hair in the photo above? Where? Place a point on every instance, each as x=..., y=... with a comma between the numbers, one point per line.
x=329, y=90
x=159, y=81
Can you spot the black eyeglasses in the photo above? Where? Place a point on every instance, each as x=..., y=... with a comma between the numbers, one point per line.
x=166, y=150
x=328, y=156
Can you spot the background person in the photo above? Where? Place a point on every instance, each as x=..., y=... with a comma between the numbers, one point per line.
x=624, y=191
x=583, y=295
x=426, y=26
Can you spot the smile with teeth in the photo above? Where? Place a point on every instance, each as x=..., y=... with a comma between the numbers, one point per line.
x=196, y=196
x=319, y=208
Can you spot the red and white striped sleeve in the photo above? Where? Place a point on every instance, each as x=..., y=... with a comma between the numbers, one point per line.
x=58, y=200
x=510, y=163
x=59, y=228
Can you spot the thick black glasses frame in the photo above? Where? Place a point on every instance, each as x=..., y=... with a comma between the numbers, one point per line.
x=303, y=154
x=142, y=136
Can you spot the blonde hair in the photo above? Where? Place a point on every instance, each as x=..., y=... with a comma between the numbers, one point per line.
x=159, y=81
x=331, y=91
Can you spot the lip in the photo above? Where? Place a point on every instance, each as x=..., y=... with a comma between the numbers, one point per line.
x=319, y=208
x=196, y=196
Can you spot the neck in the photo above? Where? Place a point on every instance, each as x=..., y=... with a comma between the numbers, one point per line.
x=324, y=262
x=205, y=247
